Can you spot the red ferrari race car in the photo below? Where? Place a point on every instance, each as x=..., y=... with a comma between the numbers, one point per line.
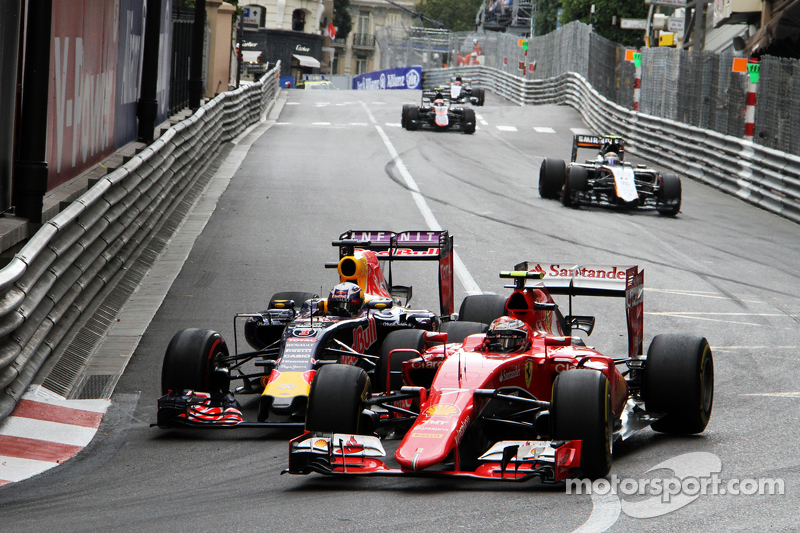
x=300, y=333
x=524, y=400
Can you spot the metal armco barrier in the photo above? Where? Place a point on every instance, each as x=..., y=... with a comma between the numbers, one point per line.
x=53, y=279
x=759, y=175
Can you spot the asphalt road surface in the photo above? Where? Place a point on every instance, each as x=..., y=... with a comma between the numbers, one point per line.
x=722, y=269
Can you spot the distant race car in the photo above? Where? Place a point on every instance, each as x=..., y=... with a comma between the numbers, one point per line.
x=524, y=400
x=462, y=92
x=300, y=333
x=437, y=112
x=607, y=180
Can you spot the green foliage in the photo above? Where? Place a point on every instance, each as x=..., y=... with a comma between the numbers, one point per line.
x=456, y=15
x=546, y=16
x=603, y=17
x=342, y=19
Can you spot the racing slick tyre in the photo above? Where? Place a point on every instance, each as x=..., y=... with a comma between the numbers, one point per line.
x=403, y=339
x=468, y=121
x=669, y=204
x=581, y=410
x=480, y=94
x=336, y=399
x=459, y=330
x=575, y=182
x=412, y=117
x=679, y=381
x=404, y=115
x=190, y=362
x=482, y=308
x=551, y=178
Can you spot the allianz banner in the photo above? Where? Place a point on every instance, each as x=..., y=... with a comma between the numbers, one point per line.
x=395, y=78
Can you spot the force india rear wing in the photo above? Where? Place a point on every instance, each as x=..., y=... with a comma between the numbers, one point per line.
x=611, y=142
x=598, y=280
x=407, y=246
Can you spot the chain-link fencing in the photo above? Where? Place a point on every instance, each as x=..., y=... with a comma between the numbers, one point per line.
x=694, y=88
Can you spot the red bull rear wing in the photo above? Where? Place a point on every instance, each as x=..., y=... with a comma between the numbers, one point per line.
x=421, y=245
x=623, y=281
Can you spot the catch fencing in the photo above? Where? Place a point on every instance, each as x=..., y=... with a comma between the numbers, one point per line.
x=54, y=279
x=695, y=88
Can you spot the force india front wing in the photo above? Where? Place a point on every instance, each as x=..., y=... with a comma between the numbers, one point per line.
x=345, y=454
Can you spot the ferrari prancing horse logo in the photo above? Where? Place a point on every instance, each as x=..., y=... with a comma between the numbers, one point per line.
x=528, y=372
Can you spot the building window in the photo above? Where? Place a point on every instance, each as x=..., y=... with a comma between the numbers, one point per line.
x=335, y=66
x=363, y=22
x=361, y=66
x=298, y=20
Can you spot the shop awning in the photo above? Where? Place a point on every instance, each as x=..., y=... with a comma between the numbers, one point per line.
x=306, y=61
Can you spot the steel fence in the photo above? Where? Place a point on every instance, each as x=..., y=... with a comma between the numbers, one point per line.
x=54, y=279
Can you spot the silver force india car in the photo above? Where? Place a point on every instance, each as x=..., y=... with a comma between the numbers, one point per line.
x=607, y=180
x=524, y=399
x=438, y=112
x=301, y=333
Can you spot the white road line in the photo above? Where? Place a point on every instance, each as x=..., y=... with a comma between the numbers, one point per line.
x=460, y=269
x=292, y=103
x=359, y=124
x=484, y=123
x=605, y=513
x=700, y=294
x=394, y=124
x=726, y=314
x=580, y=131
x=283, y=123
x=678, y=314
x=320, y=123
x=777, y=394
x=507, y=128
x=544, y=130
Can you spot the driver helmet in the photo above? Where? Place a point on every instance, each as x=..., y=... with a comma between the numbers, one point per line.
x=458, y=80
x=507, y=335
x=612, y=159
x=345, y=300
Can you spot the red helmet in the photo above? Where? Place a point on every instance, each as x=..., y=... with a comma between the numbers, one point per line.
x=506, y=334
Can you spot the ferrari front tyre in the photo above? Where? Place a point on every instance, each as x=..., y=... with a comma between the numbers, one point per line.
x=404, y=115
x=669, y=202
x=193, y=361
x=575, y=183
x=336, y=399
x=459, y=330
x=551, y=178
x=412, y=117
x=482, y=308
x=468, y=121
x=679, y=382
x=581, y=410
x=403, y=339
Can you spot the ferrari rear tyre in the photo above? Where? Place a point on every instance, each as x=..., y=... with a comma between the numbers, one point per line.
x=575, y=182
x=404, y=114
x=581, y=410
x=336, y=399
x=190, y=362
x=412, y=117
x=459, y=330
x=404, y=339
x=679, y=381
x=551, y=178
x=482, y=308
x=669, y=204
x=468, y=121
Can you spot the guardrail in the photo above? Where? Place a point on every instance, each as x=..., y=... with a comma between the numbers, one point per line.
x=49, y=284
x=759, y=175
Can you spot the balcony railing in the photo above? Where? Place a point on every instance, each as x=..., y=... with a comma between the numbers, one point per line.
x=363, y=40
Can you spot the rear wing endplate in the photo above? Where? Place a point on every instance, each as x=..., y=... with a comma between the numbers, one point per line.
x=408, y=246
x=623, y=281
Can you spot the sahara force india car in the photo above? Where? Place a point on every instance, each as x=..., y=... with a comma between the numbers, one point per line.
x=524, y=400
x=438, y=112
x=608, y=180
x=300, y=333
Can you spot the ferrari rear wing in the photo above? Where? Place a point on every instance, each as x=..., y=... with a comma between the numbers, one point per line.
x=623, y=281
x=611, y=142
x=407, y=246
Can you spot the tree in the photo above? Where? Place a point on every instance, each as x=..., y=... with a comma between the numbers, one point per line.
x=602, y=20
x=341, y=19
x=456, y=15
x=546, y=16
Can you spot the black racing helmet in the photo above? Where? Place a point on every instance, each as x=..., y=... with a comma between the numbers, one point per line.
x=345, y=300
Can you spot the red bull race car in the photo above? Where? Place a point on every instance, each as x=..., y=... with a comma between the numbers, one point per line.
x=301, y=333
x=438, y=112
x=526, y=399
x=607, y=180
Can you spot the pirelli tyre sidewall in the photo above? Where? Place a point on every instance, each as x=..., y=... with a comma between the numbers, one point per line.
x=412, y=118
x=679, y=383
x=551, y=178
x=336, y=399
x=468, y=121
x=190, y=362
x=669, y=201
x=404, y=115
x=576, y=182
x=482, y=308
x=403, y=339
